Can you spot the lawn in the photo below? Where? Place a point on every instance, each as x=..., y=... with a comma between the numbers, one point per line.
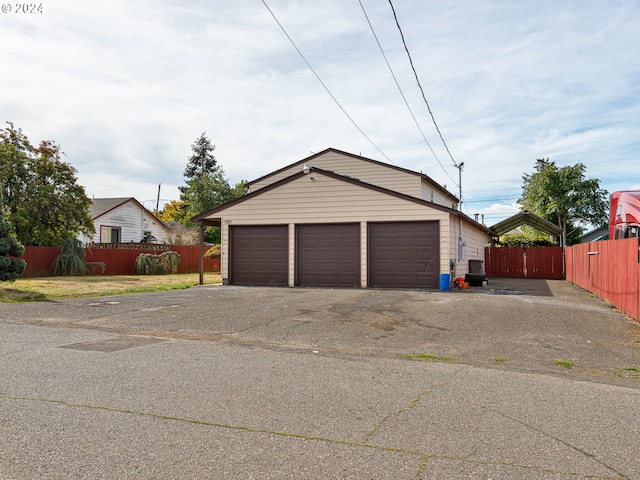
x=59, y=288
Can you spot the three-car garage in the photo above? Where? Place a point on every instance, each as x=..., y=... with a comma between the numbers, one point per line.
x=398, y=255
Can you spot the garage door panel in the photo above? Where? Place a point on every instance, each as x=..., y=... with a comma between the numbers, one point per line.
x=404, y=254
x=259, y=255
x=328, y=255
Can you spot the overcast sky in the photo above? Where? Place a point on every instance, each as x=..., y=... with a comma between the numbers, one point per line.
x=125, y=87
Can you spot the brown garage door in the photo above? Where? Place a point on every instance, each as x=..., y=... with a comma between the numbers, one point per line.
x=328, y=255
x=259, y=255
x=404, y=255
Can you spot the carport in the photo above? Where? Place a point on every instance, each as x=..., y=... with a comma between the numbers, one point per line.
x=532, y=262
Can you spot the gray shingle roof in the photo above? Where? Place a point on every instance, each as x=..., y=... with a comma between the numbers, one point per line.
x=100, y=206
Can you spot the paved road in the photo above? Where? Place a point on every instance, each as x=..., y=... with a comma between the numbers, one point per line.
x=228, y=382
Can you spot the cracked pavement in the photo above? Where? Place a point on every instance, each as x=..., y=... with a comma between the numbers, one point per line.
x=229, y=382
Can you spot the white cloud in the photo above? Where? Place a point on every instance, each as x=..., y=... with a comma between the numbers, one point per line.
x=125, y=88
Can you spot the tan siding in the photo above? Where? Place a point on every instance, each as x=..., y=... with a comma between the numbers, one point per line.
x=363, y=253
x=380, y=175
x=475, y=240
x=327, y=200
x=292, y=254
x=431, y=193
x=224, y=249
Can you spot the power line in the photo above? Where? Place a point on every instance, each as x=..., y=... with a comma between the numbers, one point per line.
x=419, y=84
x=323, y=84
x=401, y=92
x=493, y=200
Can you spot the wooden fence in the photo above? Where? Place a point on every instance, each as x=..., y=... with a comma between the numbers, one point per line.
x=532, y=262
x=609, y=268
x=118, y=261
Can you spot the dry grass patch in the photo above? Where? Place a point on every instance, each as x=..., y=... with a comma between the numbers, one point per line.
x=59, y=288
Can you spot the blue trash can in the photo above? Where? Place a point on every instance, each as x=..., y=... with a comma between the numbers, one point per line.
x=445, y=281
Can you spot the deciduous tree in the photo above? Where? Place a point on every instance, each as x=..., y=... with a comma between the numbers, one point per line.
x=564, y=196
x=45, y=203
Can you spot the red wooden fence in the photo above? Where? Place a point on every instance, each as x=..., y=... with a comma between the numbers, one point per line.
x=504, y=262
x=610, y=269
x=544, y=262
x=117, y=261
x=532, y=262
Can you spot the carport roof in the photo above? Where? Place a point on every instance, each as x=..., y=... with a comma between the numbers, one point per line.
x=525, y=218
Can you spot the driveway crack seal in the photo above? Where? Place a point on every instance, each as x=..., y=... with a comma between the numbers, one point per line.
x=411, y=405
x=424, y=455
x=566, y=444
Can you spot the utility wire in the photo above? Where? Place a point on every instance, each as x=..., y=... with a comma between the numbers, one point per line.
x=419, y=85
x=323, y=84
x=401, y=92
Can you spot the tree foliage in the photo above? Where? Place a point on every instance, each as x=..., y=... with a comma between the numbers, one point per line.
x=565, y=197
x=527, y=237
x=206, y=187
x=150, y=264
x=10, y=267
x=44, y=201
x=71, y=260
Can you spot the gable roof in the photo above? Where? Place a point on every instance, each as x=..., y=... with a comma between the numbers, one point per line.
x=101, y=206
x=359, y=157
x=354, y=181
x=525, y=218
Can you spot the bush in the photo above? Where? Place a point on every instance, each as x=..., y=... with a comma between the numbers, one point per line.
x=10, y=268
x=71, y=260
x=213, y=252
x=149, y=264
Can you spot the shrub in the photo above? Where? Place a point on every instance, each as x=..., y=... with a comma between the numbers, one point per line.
x=71, y=260
x=149, y=264
x=213, y=252
x=10, y=268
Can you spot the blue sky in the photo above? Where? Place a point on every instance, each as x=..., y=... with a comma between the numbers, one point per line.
x=126, y=87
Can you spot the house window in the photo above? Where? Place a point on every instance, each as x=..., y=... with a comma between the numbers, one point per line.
x=110, y=234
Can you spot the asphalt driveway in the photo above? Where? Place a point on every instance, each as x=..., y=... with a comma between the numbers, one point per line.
x=517, y=324
x=524, y=380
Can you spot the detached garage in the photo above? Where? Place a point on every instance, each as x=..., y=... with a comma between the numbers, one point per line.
x=307, y=225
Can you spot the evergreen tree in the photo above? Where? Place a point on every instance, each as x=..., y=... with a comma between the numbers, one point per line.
x=206, y=187
x=202, y=162
x=10, y=268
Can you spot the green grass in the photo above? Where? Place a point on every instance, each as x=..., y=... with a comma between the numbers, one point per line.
x=499, y=359
x=427, y=357
x=60, y=288
x=564, y=364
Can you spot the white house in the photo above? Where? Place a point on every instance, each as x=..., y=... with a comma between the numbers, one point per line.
x=123, y=220
x=335, y=219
